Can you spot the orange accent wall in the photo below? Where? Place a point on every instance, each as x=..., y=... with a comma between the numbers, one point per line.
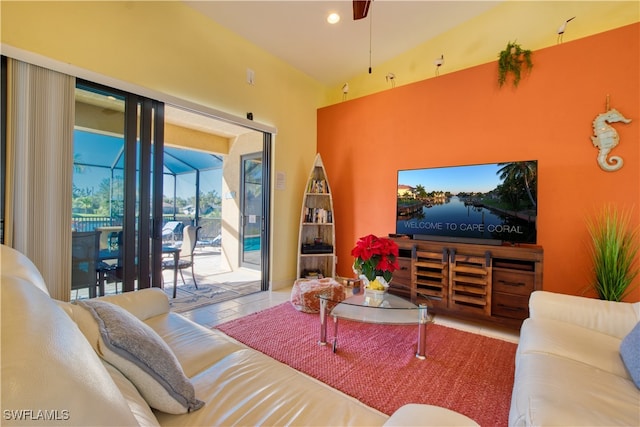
x=465, y=118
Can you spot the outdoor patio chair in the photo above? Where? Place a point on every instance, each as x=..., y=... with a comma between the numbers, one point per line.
x=109, y=273
x=109, y=263
x=170, y=229
x=84, y=255
x=185, y=260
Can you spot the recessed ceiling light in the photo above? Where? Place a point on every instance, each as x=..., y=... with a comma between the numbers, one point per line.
x=333, y=18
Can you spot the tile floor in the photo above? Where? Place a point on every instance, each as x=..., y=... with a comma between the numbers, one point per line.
x=211, y=267
x=216, y=314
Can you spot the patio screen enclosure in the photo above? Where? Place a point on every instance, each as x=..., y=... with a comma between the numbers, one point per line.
x=191, y=185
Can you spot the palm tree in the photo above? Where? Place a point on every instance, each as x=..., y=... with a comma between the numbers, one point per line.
x=525, y=172
x=77, y=167
x=420, y=192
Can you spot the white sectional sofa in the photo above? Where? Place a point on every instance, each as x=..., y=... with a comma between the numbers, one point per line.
x=569, y=370
x=52, y=374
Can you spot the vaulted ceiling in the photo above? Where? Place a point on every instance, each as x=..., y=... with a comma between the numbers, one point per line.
x=298, y=32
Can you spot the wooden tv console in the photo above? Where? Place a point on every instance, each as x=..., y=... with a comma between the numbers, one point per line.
x=473, y=281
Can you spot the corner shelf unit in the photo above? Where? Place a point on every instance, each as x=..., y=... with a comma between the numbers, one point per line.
x=316, y=240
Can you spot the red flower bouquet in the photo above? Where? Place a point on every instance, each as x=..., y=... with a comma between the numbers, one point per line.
x=375, y=256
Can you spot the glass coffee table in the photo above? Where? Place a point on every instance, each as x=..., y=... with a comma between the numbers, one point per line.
x=370, y=307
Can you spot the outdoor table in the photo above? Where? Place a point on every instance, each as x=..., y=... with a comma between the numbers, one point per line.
x=106, y=254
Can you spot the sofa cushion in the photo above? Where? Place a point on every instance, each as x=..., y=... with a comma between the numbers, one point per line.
x=248, y=388
x=552, y=390
x=608, y=317
x=195, y=346
x=47, y=364
x=143, y=303
x=143, y=357
x=588, y=346
x=407, y=416
x=21, y=267
x=630, y=353
x=139, y=407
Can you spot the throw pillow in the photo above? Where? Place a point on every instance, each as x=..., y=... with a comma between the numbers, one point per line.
x=143, y=357
x=630, y=353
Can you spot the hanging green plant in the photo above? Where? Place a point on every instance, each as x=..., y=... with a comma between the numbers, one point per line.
x=511, y=60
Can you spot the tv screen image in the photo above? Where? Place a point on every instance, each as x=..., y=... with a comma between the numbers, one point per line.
x=484, y=203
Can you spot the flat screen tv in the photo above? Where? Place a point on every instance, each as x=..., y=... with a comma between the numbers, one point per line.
x=491, y=203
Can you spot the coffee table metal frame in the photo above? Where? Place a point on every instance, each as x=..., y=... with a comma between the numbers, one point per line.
x=388, y=309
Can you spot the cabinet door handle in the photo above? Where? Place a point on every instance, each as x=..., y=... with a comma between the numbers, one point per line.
x=512, y=283
x=507, y=307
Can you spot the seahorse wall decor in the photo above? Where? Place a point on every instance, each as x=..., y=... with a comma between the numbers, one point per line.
x=606, y=138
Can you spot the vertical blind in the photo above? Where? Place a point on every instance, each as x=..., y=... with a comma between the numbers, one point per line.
x=41, y=110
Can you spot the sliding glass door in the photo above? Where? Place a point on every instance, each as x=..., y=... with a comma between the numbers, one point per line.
x=3, y=140
x=255, y=202
x=117, y=188
x=251, y=211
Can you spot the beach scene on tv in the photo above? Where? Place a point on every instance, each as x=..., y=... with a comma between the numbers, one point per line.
x=495, y=201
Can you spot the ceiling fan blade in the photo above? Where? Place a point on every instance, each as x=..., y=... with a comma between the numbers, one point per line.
x=360, y=9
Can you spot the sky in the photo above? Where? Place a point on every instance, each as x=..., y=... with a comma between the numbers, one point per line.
x=455, y=179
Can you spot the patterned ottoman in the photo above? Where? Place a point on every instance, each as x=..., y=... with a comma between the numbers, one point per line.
x=305, y=292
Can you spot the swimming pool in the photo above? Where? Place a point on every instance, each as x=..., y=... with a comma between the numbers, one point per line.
x=251, y=243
